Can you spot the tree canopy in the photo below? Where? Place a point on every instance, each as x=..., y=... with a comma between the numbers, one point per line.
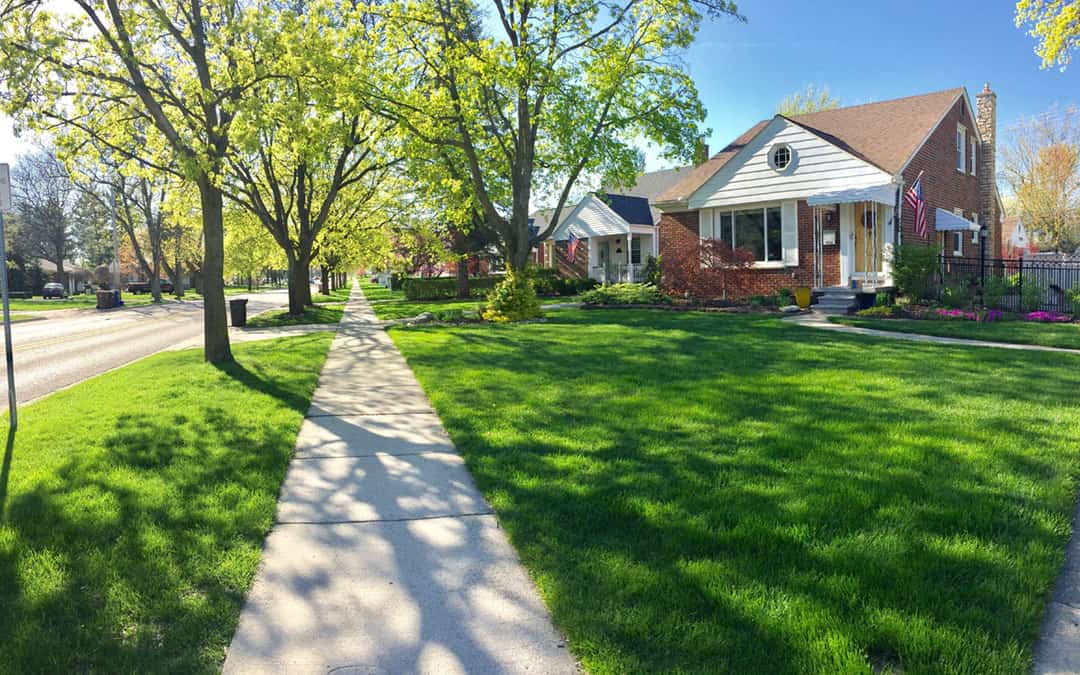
x=811, y=99
x=546, y=92
x=1055, y=25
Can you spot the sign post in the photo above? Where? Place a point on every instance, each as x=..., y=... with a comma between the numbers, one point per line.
x=5, y=207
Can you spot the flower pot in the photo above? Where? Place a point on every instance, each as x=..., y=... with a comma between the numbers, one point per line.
x=802, y=297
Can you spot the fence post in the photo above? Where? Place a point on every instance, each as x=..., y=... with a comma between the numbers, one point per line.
x=1020, y=285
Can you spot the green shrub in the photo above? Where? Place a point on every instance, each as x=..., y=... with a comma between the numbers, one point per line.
x=785, y=296
x=1031, y=296
x=914, y=267
x=652, y=271
x=1074, y=297
x=443, y=288
x=513, y=299
x=624, y=294
x=956, y=296
x=995, y=290
x=449, y=315
x=547, y=281
x=884, y=299
x=881, y=312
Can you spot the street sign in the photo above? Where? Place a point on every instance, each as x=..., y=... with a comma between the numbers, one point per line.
x=5, y=188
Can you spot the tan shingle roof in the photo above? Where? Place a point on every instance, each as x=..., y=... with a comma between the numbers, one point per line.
x=884, y=134
x=697, y=176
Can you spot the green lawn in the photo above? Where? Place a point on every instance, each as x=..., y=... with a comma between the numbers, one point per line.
x=1022, y=332
x=281, y=317
x=80, y=301
x=732, y=493
x=133, y=509
x=339, y=295
x=393, y=304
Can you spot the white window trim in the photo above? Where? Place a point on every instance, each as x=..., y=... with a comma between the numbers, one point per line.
x=958, y=237
x=791, y=157
x=961, y=148
x=714, y=211
x=974, y=145
x=975, y=233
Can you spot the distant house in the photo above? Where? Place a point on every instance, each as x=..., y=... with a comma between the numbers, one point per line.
x=608, y=237
x=1015, y=241
x=818, y=198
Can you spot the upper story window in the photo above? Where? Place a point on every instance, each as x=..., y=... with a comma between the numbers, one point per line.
x=975, y=233
x=974, y=154
x=780, y=156
x=961, y=149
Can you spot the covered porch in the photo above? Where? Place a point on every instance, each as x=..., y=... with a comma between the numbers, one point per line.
x=854, y=234
x=621, y=258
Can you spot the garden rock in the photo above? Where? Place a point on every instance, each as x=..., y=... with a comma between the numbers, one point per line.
x=790, y=309
x=423, y=317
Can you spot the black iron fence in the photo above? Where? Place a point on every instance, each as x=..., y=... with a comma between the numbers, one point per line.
x=1012, y=284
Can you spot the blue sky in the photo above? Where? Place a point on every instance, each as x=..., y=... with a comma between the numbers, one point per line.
x=868, y=51
x=863, y=51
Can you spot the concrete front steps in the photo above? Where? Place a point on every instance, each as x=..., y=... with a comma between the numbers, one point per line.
x=836, y=300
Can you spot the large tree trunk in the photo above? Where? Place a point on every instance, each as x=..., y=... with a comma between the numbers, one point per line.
x=299, y=286
x=215, y=329
x=324, y=280
x=463, y=278
x=60, y=272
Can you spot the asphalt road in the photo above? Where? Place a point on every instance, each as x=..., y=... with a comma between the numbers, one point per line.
x=72, y=345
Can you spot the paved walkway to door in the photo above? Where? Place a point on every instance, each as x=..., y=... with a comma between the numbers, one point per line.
x=816, y=320
x=384, y=557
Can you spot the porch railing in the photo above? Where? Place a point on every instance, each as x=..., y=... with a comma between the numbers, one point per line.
x=618, y=273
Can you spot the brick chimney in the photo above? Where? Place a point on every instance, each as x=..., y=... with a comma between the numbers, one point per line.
x=986, y=120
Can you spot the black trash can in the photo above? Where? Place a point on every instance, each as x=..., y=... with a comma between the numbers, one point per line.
x=238, y=311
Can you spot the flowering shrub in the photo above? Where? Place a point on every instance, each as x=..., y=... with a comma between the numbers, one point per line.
x=987, y=316
x=1047, y=317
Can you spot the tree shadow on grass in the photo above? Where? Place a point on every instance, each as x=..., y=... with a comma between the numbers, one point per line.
x=675, y=478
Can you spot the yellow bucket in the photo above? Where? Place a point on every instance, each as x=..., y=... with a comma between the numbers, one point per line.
x=802, y=297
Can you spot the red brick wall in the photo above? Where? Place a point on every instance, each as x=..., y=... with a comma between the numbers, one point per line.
x=578, y=269
x=943, y=185
x=680, y=231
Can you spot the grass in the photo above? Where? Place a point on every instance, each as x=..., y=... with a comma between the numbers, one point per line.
x=338, y=295
x=731, y=493
x=281, y=317
x=1020, y=332
x=80, y=301
x=393, y=304
x=133, y=508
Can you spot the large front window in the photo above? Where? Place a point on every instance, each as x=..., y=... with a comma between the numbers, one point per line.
x=756, y=230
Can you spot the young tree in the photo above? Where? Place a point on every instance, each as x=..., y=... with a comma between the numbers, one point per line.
x=1055, y=24
x=92, y=231
x=562, y=88
x=156, y=81
x=1041, y=165
x=44, y=198
x=808, y=101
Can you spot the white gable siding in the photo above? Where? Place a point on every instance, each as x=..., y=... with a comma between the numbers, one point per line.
x=591, y=218
x=818, y=166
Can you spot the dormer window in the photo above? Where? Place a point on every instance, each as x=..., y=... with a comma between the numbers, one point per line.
x=780, y=156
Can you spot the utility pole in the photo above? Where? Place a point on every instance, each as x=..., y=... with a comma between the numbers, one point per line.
x=5, y=207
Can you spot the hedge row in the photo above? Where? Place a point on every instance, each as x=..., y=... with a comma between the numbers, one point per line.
x=443, y=288
x=546, y=282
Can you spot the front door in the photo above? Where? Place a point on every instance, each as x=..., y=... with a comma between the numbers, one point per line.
x=868, y=239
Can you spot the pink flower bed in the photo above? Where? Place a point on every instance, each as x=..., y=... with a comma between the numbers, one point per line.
x=988, y=316
x=1048, y=317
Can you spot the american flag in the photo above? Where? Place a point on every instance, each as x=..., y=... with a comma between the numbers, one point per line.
x=571, y=247
x=913, y=197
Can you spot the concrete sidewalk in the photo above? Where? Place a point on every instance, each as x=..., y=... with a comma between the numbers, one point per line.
x=385, y=558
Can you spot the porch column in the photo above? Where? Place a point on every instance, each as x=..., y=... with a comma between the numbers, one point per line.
x=629, y=256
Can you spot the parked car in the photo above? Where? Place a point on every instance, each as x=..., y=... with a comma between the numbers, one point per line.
x=136, y=287
x=53, y=290
x=166, y=286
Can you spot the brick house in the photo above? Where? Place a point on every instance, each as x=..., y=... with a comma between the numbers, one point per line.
x=818, y=198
